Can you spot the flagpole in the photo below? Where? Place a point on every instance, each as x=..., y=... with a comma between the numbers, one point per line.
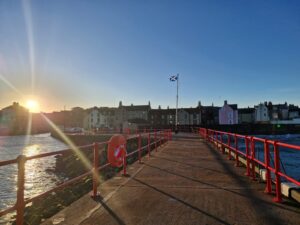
x=176, y=123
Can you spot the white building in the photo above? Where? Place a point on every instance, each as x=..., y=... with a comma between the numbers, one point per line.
x=183, y=117
x=261, y=113
x=95, y=119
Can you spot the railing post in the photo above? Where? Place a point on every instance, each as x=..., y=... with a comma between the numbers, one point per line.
x=222, y=144
x=140, y=146
x=252, y=158
x=125, y=165
x=20, y=204
x=268, y=189
x=229, y=148
x=247, y=156
x=95, y=170
x=236, y=151
x=278, y=197
x=149, y=144
x=155, y=140
x=160, y=139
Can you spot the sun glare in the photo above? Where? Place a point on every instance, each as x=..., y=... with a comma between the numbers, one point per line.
x=32, y=105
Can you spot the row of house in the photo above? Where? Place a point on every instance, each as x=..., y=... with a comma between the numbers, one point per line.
x=262, y=113
x=16, y=117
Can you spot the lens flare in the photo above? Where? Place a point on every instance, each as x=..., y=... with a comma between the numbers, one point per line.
x=30, y=37
x=73, y=147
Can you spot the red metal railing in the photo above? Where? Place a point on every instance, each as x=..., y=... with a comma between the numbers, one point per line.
x=218, y=137
x=159, y=136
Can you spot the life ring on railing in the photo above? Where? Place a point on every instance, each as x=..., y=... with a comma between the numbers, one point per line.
x=116, y=150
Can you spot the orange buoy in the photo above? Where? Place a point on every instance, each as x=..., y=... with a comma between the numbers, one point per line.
x=116, y=150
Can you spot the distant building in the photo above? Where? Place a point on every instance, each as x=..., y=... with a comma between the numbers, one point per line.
x=246, y=115
x=14, y=118
x=183, y=117
x=209, y=115
x=159, y=117
x=261, y=113
x=76, y=117
x=95, y=119
x=135, y=113
x=228, y=114
x=195, y=115
x=293, y=114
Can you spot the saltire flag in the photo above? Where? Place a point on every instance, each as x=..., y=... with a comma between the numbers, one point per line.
x=173, y=78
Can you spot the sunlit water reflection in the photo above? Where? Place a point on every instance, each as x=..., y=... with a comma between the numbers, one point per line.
x=39, y=177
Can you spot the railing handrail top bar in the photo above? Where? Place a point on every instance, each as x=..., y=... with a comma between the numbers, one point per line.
x=268, y=141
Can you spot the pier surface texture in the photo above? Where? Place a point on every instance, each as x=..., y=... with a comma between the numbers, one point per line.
x=186, y=182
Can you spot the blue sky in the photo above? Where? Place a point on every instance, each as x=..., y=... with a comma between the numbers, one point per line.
x=87, y=53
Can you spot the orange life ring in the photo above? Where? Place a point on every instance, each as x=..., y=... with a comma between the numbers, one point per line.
x=116, y=150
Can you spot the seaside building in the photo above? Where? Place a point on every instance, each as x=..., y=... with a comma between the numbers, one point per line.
x=94, y=119
x=14, y=119
x=209, y=115
x=183, y=117
x=294, y=112
x=261, y=113
x=135, y=113
x=228, y=114
x=246, y=115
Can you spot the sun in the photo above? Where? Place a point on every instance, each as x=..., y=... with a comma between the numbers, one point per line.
x=32, y=105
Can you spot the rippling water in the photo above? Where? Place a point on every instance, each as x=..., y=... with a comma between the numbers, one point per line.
x=37, y=179
x=290, y=159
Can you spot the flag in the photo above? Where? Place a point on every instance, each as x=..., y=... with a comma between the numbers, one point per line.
x=173, y=78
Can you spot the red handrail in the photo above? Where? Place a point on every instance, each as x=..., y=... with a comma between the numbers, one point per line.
x=212, y=136
x=160, y=137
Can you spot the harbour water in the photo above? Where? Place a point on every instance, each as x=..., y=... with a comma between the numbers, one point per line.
x=38, y=171
x=289, y=158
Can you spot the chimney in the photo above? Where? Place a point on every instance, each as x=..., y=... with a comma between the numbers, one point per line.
x=225, y=102
x=120, y=104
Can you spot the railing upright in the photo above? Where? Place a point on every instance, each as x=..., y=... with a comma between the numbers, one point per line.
x=278, y=197
x=247, y=156
x=222, y=144
x=229, y=148
x=140, y=146
x=236, y=151
x=267, y=163
x=95, y=170
x=155, y=140
x=149, y=144
x=125, y=165
x=252, y=158
x=20, y=204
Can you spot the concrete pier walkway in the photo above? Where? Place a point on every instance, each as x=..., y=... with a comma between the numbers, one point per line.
x=186, y=182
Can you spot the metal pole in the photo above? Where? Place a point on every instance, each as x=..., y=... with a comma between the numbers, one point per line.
x=177, y=102
x=20, y=204
x=267, y=166
x=278, y=197
x=95, y=170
